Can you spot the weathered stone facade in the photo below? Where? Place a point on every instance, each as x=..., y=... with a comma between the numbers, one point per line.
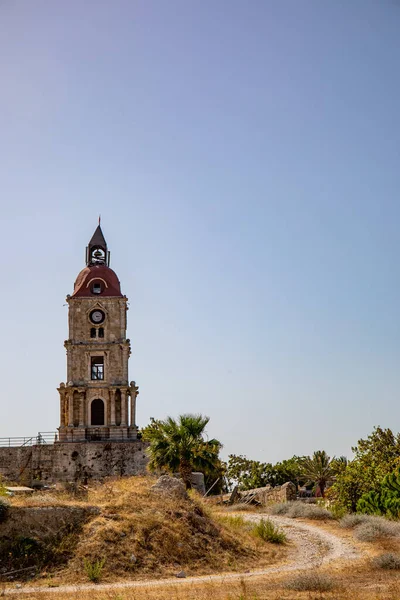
x=97, y=402
x=72, y=461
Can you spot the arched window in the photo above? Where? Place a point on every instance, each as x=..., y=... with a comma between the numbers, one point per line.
x=97, y=412
x=93, y=332
x=101, y=332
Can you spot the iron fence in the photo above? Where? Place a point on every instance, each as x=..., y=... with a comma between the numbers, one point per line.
x=51, y=437
x=47, y=437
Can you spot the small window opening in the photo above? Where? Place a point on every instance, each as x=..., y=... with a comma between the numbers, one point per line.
x=96, y=288
x=93, y=332
x=101, y=332
x=97, y=367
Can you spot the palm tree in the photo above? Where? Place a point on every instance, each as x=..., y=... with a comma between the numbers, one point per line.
x=318, y=469
x=179, y=445
x=339, y=465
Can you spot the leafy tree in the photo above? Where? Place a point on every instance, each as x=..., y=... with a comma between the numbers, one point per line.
x=250, y=474
x=375, y=457
x=179, y=445
x=289, y=470
x=318, y=469
x=385, y=501
x=339, y=464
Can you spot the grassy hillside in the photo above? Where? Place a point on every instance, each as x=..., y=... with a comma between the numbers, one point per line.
x=138, y=533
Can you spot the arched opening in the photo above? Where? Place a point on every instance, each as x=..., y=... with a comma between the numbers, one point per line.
x=118, y=407
x=97, y=412
x=76, y=403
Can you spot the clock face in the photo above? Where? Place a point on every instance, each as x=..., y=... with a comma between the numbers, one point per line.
x=97, y=316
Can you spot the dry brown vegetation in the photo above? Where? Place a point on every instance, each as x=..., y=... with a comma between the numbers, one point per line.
x=134, y=521
x=140, y=534
x=361, y=584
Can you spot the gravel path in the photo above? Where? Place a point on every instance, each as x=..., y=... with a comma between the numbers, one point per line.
x=311, y=547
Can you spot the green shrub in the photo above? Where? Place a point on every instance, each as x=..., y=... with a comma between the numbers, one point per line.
x=3, y=491
x=24, y=548
x=267, y=531
x=94, y=569
x=310, y=582
x=235, y=521
x=384, y=501
x=387, y=561
x=337, y=511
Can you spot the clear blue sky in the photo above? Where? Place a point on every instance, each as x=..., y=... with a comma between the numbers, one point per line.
x=244, y=157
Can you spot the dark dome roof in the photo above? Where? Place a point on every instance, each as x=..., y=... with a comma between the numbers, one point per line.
x=103, y=274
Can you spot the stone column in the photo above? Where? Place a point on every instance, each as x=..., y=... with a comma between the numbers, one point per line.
x=82, y=409
x=70, y=408
x=123, y=408
x=125, y=357
x=134, y=391
x=112, y=401
x=61, y=391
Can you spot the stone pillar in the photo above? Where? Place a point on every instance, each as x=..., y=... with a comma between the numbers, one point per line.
x=125, y=357
x=82, y=409
x=70, y=408
x=61, y=391
x=112, y=401
x=123, y=408
x=134, y=391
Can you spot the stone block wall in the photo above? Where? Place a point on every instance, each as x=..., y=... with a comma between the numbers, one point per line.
x=72, y=461
x=269, y=494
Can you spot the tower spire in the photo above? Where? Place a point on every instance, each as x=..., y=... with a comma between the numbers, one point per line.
x=96, y=251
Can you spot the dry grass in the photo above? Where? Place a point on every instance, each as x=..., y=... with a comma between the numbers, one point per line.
x=362, y=586
x=368, y=528
x=140, y=534
x=129, y=508
x=296, y=510
x=310, y=581
x=387, y=561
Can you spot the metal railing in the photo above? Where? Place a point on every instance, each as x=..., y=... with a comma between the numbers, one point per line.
x=47, y=437
x=51, y=437
x=93, y=434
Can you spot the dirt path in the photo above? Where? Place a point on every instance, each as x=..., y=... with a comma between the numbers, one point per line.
x=311, y=547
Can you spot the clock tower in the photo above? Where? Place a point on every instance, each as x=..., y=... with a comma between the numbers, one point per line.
x=97, y=402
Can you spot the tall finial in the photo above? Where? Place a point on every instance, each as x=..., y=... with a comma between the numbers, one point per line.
x=99, y=219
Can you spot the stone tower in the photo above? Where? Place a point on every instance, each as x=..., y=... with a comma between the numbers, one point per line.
x=97, y=402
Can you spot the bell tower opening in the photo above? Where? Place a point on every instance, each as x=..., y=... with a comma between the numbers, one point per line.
x=97, y=253
x=97, y=412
